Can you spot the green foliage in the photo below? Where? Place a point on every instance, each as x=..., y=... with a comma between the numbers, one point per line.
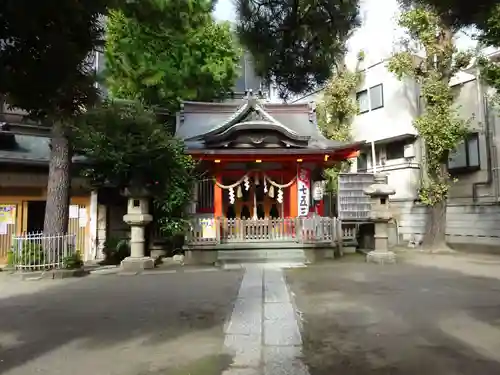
x=45, y=70
x=11, y=258
x=459, y=13
x=73, y=262
x=335, y=113
x=127, y=146
x=31, y=254
x=46, y=44
x=115, y=250
x=295, y=43
x=440, y=125
x=483, y=16
x=490, y=71
x=162, y=51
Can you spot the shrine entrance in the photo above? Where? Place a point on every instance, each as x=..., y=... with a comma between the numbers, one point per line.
x=255, y=196
x=253, y=203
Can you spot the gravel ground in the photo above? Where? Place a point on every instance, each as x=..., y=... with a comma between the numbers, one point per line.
x=128, y=325
x=406, y=319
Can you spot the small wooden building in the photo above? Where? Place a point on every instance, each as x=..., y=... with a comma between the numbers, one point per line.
x=261, y=163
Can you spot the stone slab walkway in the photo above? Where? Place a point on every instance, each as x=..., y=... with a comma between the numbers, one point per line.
x=263, y=333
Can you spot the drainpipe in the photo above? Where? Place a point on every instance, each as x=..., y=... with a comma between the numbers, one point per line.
x=485, y=115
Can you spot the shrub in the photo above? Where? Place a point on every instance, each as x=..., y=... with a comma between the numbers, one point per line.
x=73, y=261
x=11, y=259
x=31, y=254
x=116, y=250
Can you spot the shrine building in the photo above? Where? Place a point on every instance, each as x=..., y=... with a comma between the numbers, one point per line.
x=258, y=160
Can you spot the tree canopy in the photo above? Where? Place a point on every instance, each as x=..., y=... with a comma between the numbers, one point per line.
x=482, y=15
x=46, y=71
x=126, y=146
x=164, y=51
x=336, y=111
x=295, y=43
x=44, y=50
x=440, y=125
x=460, y=13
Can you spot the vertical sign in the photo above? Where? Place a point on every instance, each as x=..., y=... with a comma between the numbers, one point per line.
x=304, y=191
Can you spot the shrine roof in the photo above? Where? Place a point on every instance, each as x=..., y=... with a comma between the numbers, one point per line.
x=201, y=123
x=29, y=150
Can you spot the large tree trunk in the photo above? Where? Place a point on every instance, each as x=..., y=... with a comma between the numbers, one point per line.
x=59, y=184
x=435, y=234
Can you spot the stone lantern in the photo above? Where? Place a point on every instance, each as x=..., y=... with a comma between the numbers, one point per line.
x=380, y=214
x=138, y=218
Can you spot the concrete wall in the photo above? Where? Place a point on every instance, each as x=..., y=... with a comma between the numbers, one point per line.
x=475, y=226
x=397, y=114
x=471, y=106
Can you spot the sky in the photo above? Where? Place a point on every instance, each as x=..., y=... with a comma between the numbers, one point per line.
x=224, y=10
x=378, y=35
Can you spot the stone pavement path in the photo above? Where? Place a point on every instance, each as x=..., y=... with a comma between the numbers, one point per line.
x=263, y=333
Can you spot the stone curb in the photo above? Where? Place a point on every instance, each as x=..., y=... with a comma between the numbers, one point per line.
x=164, y=272
x=52, y=274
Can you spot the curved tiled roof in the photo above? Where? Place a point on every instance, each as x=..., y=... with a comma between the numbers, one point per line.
x=200, y=121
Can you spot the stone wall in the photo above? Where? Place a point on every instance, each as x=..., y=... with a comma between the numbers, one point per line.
x=473, y=225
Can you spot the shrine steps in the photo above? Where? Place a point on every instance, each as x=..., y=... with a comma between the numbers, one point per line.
x=270, y=252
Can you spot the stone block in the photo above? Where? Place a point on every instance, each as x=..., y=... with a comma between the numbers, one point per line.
x=349, y=250
x=200, y=257
x=286, y=360
x=245, y=349
x=312, y=255
x=131, y=264
x=281, y=333
x=157, y=253
x=53, y=274
x=381, y=257
x=328, y=253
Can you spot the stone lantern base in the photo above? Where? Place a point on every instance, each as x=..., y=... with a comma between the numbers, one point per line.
x=131, y=264
x=381, y=257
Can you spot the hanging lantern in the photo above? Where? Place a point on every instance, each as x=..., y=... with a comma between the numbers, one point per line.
x=231, y=195
x=239, y=193
x=271, y=191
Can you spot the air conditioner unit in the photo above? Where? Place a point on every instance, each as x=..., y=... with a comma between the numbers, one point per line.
x=409, y=151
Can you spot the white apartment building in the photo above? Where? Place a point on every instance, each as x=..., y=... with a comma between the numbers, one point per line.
x=388, y=108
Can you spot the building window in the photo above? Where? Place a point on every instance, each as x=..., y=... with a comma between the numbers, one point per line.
x=376, y=97
x=466, y=156
x=362, y=99
x=205, y=196
x=395, y=150
x=362, y=162
x=371, y=99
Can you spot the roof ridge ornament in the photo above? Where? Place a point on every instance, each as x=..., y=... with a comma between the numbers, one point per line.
x=251, y=99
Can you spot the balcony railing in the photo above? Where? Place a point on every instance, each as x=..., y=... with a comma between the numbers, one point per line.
x=313, y=230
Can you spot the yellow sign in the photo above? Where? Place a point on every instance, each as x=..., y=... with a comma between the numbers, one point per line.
x=7, y=214
x=207, y=228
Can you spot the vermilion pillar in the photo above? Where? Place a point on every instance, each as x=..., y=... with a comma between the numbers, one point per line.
x=218, y=196
x=293, y=196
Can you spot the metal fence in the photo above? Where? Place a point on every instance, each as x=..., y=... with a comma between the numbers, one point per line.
x=36, y=251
